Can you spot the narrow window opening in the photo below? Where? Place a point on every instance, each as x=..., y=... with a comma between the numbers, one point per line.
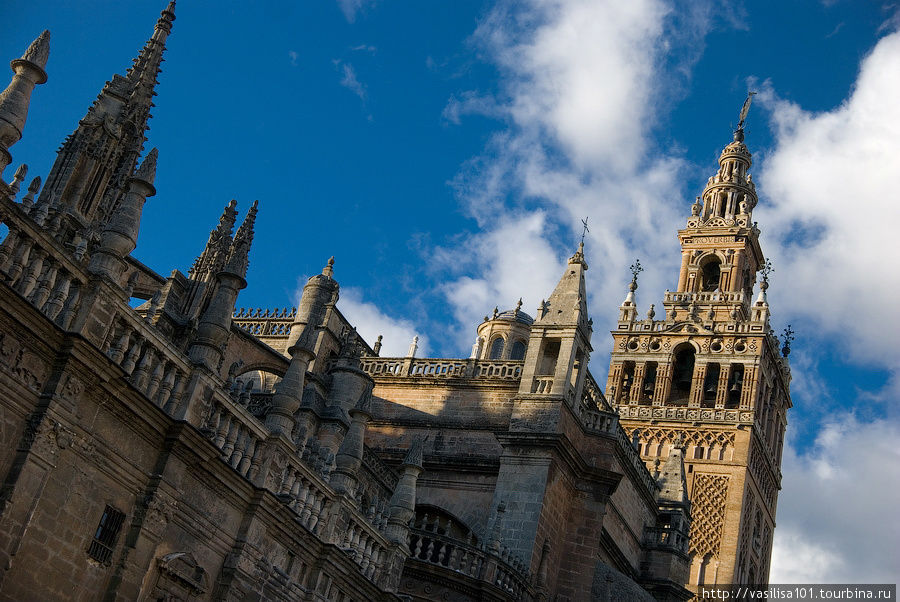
x=105, y=536
x=682, y=374
x=710, y=385
x=649, y=383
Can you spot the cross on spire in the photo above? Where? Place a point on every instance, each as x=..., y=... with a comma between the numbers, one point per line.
x=584, y=229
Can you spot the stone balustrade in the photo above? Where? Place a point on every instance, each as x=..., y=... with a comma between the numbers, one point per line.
x=542, y=384
x=705, y=297
x=39, y=267
x=428, y=544
x=153, y=366
x=438, y=368
x=502, y=369
x=238, y=435
x=442, y=368
x=686, y=413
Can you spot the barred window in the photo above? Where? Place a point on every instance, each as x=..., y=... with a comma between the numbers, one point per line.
x=104, y=541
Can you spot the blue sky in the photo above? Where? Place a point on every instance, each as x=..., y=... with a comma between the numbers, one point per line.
x=445, y=153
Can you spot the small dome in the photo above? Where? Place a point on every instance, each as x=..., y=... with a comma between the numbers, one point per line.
x=515, y=315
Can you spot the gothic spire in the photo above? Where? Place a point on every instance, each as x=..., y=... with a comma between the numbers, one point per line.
x=14, y=101
x=238, y=254
x=92, y=168
x=212, y=259
x=567, y=304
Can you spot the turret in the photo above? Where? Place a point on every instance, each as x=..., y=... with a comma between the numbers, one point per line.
x=559, y=344
x=92, y=168
x=119, y=238
x=320, y=291
x=14, y=101
x=215, y=323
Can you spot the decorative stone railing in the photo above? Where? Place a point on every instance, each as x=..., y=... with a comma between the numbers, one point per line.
x=438, y=368
x=685, y=413
x=153, y=366
x=464, y=557
x=606, y=422
x=666, y=537
x=39, y=267
x=239, y=436
x=383, y=366
x=510, y=370
x=367, y=548
x=542, y=384
x=705, y=297
x=502, y=369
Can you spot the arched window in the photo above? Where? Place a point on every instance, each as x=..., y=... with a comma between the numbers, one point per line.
x=649, y=383
x=712, y=273
x=682, y=374
x=735, y=385
x=710, y=385
x=496, y=349
x=518, y=351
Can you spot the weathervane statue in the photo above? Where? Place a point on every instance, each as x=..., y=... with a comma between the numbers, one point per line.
x=745, y=109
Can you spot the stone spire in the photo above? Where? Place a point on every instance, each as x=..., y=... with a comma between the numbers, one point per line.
x=238, y=254
x=119, y=238
x=93, y=166
x=212, y=259
x=567, y=304
x=14, y=101
x=215, y=324
x=672, y=480
x=403, y=500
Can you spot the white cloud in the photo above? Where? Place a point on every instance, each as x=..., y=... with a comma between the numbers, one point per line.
x=350, y=81
x=582, y=86
x=352, y=8
x=370, y=322
x=837, y=512
x=293, y=56
x=831, y=208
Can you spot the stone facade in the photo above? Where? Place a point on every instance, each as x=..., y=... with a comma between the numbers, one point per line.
x=188, y=450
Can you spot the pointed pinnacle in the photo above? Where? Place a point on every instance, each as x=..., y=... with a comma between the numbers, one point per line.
x=147, y=169
x=39, y=50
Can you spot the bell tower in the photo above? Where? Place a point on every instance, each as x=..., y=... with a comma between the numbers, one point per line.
x=709, y=376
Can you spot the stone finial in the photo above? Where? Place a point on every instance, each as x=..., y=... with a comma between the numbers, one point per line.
x=651, y=313
x=147, y=169
x=519, y=305
x=20, y=174
x=38, y=52
x=377, y=347
x=413, y=347
x=578, y=256
x=28, y=199
x=328, y=270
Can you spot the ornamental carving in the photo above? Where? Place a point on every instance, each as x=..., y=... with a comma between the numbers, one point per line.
x=708, y=497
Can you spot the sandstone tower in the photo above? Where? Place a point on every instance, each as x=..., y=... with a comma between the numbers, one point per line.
x=709, y=375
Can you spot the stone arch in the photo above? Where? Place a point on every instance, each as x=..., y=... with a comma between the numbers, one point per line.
x=683, y=359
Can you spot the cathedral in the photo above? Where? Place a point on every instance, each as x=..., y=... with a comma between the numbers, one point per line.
x=158, y=442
